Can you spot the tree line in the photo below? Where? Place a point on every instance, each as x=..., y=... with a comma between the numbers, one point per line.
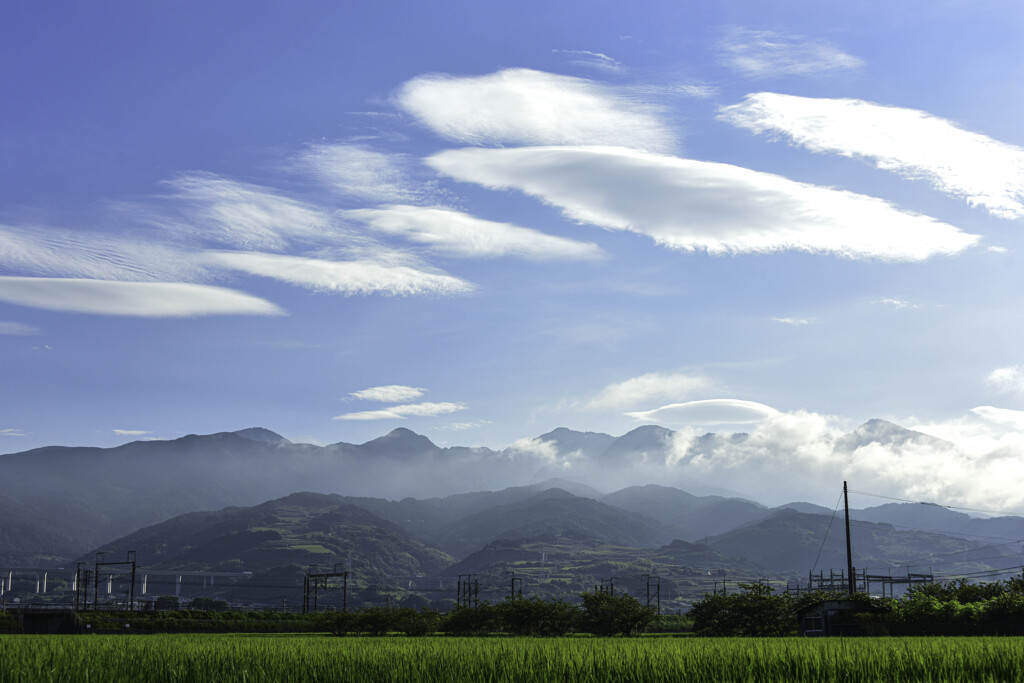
x=950, y=608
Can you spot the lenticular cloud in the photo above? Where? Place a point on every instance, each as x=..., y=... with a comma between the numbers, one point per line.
x=915, y=144
x=523, y=106
x=703, y=206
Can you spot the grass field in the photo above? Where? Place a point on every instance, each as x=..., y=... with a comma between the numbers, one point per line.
x=160, y=658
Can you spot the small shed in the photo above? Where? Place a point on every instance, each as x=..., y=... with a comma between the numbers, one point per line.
x=830, y=618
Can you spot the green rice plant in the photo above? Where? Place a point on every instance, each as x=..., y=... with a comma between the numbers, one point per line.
x=200, y=658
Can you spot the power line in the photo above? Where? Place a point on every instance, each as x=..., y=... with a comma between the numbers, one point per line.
x=908, y=565
x=991, y=572
x=948, y=507
x=864, y=524
x=834, y=512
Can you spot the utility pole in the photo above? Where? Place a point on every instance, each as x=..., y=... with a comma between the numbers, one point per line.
x=512, y=584
x=468, y=591
x=852, y=579
x=654, y=581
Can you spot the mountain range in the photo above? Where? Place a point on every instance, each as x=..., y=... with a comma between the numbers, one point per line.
x=253, y=499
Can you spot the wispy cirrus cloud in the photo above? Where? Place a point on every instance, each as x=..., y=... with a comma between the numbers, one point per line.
x=361, y=172
x=390, y=393
x=130, y=432
x=16, y=329
x=757, y=53
x=460, y=234
x=359, y=277
x=703, y=206
x=400, y=412
x=796, y=322
x=144, y=299
x=593, y=60
x=700, y=91
x=708, y=412
x=87, y=254
x=12, y=432
x=522, y=106
x=912, y=143
x=242, y=215
x=645, y=389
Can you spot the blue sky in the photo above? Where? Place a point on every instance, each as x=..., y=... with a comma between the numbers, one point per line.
x=482, y=221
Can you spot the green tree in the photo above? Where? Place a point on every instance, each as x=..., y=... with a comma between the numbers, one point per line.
x=609, y=615
x=536, y=617
x=167, y=603
x=755, y=611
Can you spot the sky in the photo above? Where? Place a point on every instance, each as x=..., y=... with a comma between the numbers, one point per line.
x=483, y=221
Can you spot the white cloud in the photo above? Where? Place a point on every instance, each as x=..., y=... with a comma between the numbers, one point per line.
x=462, y=426
x=390, y=393
x=708, y=412
x=1001, y=416
x=460, y=234
x=18, y=329
x=341, y=277
x=361, y=172
x=700, y=91
x=12, y=432
x=804, y=456
x=594, y=60
x=87, y=254
x=247, y=216
x=698, y=205
x=537, y=449
x=646, y=389
x=131, y=432
x=1008, y=380
x=912, y=143
x=145, y=299
x=521, y=106
x=400, y=412
x=797, y=322
x=895, y=304
x=767, y=53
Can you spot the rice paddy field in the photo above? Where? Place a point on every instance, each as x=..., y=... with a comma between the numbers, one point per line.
x=159, y=658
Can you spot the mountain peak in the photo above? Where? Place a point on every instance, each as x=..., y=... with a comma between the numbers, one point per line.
x=261, y=434
x=400, y=442
x=888, y=434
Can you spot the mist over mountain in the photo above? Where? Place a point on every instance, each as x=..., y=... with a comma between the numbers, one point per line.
x=67, y=500
x=554, y=511
x=693, y=516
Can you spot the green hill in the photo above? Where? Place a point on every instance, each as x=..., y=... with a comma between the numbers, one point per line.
x=298, y=530
x=553, y=512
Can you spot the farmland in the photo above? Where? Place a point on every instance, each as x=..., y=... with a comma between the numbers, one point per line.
x=168, y=658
